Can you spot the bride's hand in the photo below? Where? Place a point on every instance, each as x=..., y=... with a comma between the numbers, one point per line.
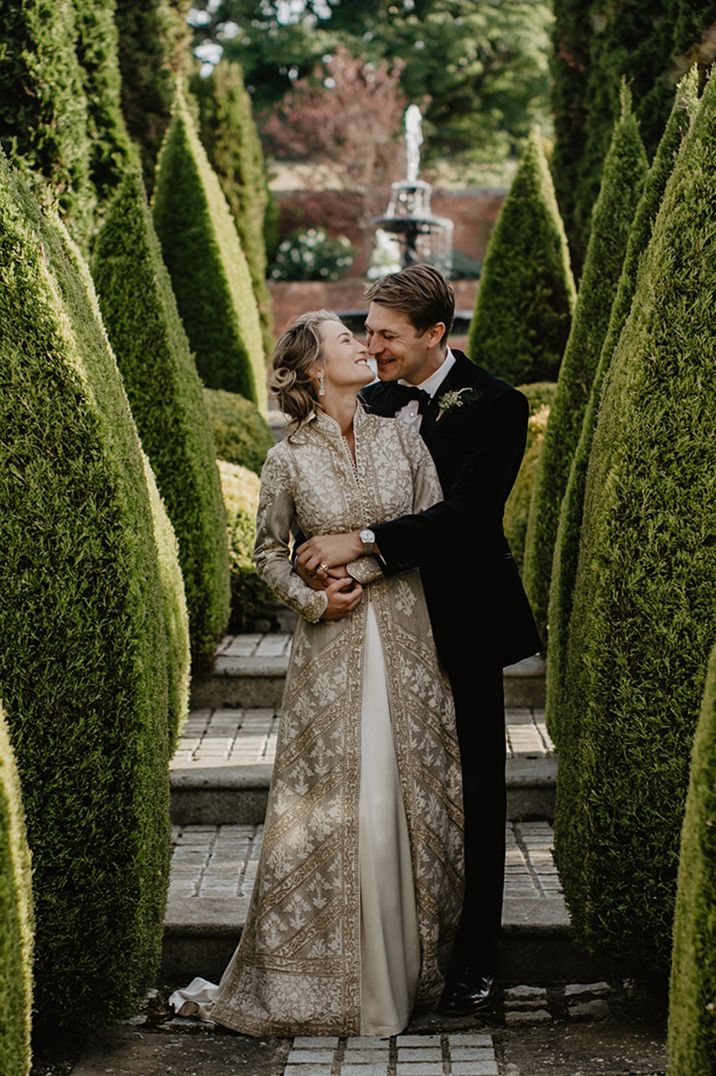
x=343, y=597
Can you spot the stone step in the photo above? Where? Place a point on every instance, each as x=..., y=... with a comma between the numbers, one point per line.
x=249, y=672
x=214, y=868
x=221, y=770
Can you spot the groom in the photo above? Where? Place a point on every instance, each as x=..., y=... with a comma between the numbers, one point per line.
x=475, y=427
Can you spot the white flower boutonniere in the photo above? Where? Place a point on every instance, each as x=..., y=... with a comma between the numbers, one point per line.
x=452, y=400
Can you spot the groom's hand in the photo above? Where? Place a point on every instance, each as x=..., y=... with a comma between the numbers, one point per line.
x=320, y=581
x=343, y=596
x=328, y=551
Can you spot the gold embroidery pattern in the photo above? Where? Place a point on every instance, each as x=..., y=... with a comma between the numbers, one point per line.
x=297, y=969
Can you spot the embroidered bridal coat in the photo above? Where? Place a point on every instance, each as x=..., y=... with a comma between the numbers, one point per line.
x=297, y=968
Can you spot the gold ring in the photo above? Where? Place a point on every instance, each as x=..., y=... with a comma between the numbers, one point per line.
x=323, y=569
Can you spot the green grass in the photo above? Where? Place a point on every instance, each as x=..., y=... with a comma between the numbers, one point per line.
x=207, y=266
x=83, y=656
x=16, y=926
x=623, y=177
x=692, y=996
x=167, y=402
x=526, y=296
x=642, y=623
x=564, y=565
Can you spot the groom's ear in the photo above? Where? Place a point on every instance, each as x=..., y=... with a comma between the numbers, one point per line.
x=436, y=333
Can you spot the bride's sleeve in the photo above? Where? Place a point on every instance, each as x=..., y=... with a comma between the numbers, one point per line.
x=426, y=492
x=276, y=514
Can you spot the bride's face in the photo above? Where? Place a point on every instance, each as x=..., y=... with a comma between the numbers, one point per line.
x=345, y=359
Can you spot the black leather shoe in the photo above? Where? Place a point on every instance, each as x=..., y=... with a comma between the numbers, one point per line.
x=467, y=993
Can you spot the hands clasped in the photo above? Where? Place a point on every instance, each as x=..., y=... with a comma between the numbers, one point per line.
x=321, y=561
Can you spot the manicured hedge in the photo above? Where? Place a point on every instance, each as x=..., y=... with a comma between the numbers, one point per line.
x=250, y=597
x=209, y=273
x=526, y=296
x=241, y=433
x=623, y=178
x=166, y=398
x=229, y=136
x=153, y=47
x=97, y=53
x=564, y=565
x=16, y=925
x=643, y=619
x=692, y=1008
x=540, y=396
x=176, y=616
x=43, y=109
x=83, y=655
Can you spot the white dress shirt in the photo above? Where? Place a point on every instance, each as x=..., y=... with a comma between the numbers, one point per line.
x=409, y=413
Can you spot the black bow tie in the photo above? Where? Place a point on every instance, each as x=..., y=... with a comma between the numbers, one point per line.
x=403, y=394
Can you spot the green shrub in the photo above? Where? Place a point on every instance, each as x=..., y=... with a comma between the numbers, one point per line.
x=241, y=433
x=642, y=621
x=517, y=508
x=312, y=254
x=97, y=53
x=208, y=269
x=15, y=919
x=624, y=172
x=83, y=662
x=153, y=46
x=526, y=296
x=250, y=597
x=167, y=402
x=564, y=565
x=176, y=616
x=692, y=1008
x=229, y=136
x=43, y=109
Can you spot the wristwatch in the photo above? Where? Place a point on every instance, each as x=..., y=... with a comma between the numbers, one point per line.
x=367, y=537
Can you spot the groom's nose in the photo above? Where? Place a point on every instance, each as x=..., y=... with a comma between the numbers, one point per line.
x=374, y=346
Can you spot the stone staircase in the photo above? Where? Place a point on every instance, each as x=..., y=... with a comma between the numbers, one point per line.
x=220, y=777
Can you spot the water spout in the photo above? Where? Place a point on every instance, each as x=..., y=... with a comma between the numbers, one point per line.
x=413, y=142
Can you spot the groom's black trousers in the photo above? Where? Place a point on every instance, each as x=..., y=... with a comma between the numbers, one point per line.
x=480, y=714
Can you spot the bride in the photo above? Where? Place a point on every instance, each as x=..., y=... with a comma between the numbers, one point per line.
x=359, y=884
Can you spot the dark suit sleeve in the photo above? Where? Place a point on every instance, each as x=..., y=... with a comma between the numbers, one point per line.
x=475, y=503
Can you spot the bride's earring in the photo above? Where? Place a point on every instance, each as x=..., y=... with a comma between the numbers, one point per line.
x=321, y=383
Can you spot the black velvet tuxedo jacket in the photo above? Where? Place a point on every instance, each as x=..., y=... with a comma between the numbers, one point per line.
x=478, y=606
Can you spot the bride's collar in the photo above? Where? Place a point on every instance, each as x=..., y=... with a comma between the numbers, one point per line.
x=321, y=421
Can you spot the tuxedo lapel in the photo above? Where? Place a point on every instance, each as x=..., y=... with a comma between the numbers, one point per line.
x=459, y=376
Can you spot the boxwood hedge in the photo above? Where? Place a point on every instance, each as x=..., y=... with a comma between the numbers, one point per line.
x=564, y=565
x=176, y=617
x=517, y=508
x=643, y=621
x=241, y=433
x=83, y=659
x=207, y=266
x=526, y=296
x=250, y=597
x=692, y=1012
x=166, y=398
x=230, y=137
x=16, y=928
x=622, y=180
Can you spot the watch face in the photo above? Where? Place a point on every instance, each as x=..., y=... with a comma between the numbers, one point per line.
x=366, y=536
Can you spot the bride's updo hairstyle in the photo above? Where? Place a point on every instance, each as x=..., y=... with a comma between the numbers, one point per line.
x=297, y=351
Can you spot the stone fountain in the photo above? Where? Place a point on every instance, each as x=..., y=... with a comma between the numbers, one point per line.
x=409, y=232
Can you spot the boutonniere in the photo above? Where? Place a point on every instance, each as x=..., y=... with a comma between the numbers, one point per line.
x=450, y=401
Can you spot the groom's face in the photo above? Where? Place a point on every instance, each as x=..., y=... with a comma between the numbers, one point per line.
x=396, y=345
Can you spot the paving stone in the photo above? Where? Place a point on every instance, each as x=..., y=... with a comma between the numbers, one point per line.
x=315, y=1057
x=367, y=1040
x=419, y=1053
x=475, y=1068
x=418, y=1068
x=417, y=1040
x=596, y=989
x=359, y=1056
x=315, y=1041
x=525, y=992
x=468, y=1039
x=471, y=1053
x=590, y=1010
x=308, y=1070
x=366, y=1070
x=521, y=1017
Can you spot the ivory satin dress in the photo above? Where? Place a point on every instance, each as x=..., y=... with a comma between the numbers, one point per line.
x=359, y=884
